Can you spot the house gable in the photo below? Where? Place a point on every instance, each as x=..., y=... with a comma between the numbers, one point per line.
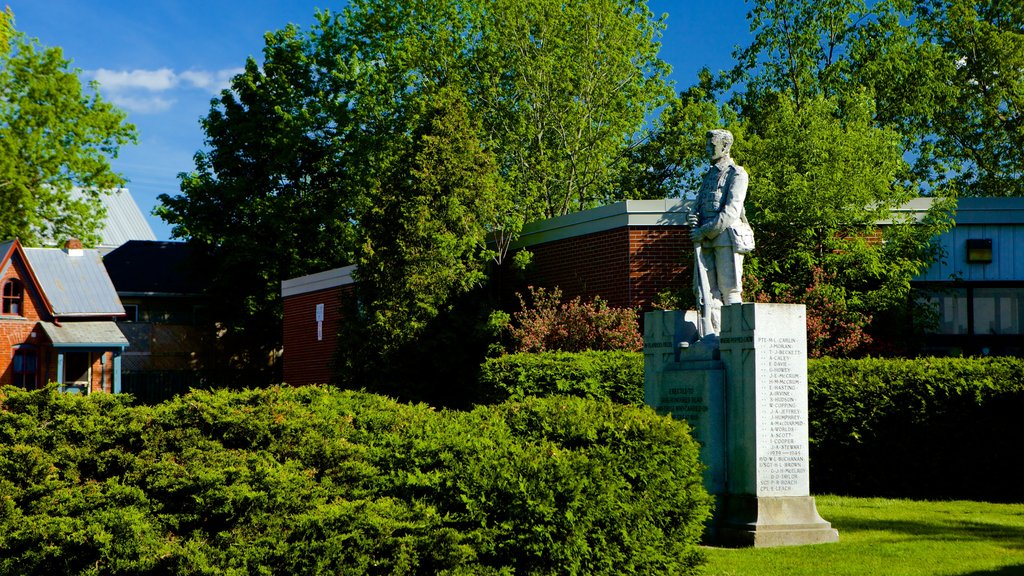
x=14, y=266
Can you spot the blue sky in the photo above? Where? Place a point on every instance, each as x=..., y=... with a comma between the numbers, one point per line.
x=162, y=61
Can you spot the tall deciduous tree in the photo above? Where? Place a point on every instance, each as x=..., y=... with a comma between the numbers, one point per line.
x=825, y=146
x=947, y=75
x=53, y=136
x=270, y=198
x=399, y=135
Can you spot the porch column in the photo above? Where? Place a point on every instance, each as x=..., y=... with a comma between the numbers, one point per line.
x=116, y=372
x=60, y=367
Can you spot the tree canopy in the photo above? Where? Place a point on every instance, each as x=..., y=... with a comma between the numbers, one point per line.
x=404, y=136
x=53, y=137
x=834, y=108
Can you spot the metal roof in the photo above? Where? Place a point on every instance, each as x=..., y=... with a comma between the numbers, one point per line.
x=319, y=281
x=82, y=334
x=124, y=220
x=74, y=285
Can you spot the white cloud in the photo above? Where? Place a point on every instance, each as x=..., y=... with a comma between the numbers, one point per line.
x=151, y=80
x=143, y=105
x=213, y=82
x=141, y=91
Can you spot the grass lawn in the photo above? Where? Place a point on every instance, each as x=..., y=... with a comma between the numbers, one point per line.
x=894, y=538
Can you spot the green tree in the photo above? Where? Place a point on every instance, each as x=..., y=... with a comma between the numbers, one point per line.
x=945, y=74
x=337, y=150
x=270, y=198
x=979, y=125
x=823, y=134
x=424, y=239
x=53, y=137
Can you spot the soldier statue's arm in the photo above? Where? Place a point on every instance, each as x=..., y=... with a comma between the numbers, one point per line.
x=734, y=193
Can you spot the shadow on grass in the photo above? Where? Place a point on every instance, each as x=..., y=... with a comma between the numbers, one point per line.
x=1010, y=537
x=1004, y=571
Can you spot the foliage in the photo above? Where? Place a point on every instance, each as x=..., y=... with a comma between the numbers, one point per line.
x=424, y=237
x=269, y=199
x=945, y=74
x=824, y=176
x=972, y=133
x=547, y=323
x=607, y=375
x=832, y=328
x=896, y=538
x=53, y=137
x=397, y=135
x=309, y=480
x=924, y=428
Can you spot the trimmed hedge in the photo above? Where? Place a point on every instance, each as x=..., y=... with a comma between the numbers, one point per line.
x=912, y=428
x=311, y=481
x=922, y=428
x=613, y=375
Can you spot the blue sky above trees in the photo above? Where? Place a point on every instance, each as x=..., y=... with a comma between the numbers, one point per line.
x=162, y=61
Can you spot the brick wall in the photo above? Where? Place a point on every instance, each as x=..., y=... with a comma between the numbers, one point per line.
x=585, y=266
x=307, y=358
x=627, y=266
x=102, y=376
x=16, y=330
x=660, y=258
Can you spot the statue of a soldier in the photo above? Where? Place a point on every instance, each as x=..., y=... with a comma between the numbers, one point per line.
x=720, y=233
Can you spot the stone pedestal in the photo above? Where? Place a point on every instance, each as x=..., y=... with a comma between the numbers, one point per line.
x=687, y=381
x=768, y=503
x=746, y=400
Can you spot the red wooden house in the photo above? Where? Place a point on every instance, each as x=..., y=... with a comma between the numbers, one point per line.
x=57, y=319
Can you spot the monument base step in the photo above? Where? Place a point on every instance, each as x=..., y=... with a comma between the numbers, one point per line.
x=764, y=522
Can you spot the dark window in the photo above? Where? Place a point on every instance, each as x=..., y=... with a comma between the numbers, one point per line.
x=25, y=367
x=131, y=313
x=76, y=368
x=973, y=319
x=12, y=298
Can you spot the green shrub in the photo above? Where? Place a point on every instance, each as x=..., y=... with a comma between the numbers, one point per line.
x=614, y=375
x=310, y=480
x=922, y=428
x=547, y=323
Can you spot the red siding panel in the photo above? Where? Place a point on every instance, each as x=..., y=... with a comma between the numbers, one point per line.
x=309, y=349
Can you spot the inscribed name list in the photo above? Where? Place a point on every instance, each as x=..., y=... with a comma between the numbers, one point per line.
x=782, y=452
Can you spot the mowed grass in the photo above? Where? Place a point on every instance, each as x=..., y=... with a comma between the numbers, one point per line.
x=894, y=538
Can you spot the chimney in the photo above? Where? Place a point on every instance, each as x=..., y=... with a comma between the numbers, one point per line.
x=73, y=247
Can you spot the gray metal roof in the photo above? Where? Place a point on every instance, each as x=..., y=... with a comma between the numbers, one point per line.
x=85, y=334
x=319, y=281
x=74, y=285
x=124, y=220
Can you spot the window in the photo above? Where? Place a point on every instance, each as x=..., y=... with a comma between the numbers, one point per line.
x=999, y=311
x=950, y=309
x=25, y=366
x=12, y=298
x=131, y=313
x=973, y=318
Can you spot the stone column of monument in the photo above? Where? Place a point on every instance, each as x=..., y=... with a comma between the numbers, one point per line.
x=746, y=401
x=767, y=502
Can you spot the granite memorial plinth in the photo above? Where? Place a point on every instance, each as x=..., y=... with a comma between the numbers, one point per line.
x=746, y=401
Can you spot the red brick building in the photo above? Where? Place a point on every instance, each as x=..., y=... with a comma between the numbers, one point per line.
x=312, y=315
x=56, y=319
x=626, y=253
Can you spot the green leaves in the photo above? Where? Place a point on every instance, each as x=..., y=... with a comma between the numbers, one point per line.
x=53, y=136
x=309, y=480
x=930, y=428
